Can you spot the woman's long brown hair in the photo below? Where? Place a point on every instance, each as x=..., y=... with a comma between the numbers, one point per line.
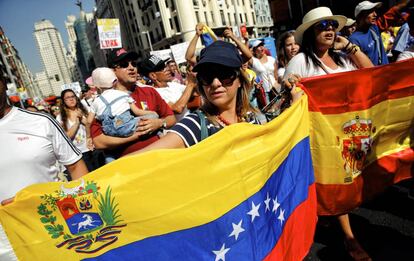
x=243, y=106
x=64, y=108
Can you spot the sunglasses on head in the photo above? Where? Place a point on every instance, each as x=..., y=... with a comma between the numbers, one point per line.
x=125, y=64
x=225, y=76
x=324, y=24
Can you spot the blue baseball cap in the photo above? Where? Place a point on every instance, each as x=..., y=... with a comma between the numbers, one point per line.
x=221, y=53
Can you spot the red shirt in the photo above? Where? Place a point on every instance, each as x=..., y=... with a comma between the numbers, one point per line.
x=146, y=98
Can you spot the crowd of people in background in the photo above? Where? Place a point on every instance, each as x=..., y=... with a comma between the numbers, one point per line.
x=129, y=107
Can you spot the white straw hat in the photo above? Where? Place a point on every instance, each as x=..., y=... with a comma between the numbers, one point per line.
x=350, y=22
x=314, y=16
x=366, y=5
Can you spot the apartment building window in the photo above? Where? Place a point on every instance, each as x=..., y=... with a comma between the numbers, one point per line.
x=172, y=5
x=152, y=14
x=197, y=16
x=212, y=17
x=229, y=21
x=195, y=2
x=205, y=17
x=157, y=7
x=177, y=24
x=171, y=24
x=136, y=41
x=166, y=3
x=129, y=14
x=245, y=18
x=152, y=37
x=241, y=18
x=223, y=18
x=254, y=18
x=162, y=30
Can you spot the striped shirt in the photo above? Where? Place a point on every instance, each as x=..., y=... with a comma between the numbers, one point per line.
x=189, y=128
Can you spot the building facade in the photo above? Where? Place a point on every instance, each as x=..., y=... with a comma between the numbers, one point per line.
x=71, y=49
x=17, y=75
x=53, y=55
x=158, y=24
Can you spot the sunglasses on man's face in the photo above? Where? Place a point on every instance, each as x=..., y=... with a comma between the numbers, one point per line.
x=225, y=76
x=324, y=25
x=125, y=64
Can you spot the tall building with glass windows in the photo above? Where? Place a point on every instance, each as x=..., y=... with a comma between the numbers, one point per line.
x=53, y=55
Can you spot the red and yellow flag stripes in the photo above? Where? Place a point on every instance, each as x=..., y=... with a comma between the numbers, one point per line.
x=361, y=133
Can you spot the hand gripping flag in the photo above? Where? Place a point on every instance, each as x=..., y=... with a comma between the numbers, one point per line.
x=361, y=133
x=245, y=193
x=208, y=36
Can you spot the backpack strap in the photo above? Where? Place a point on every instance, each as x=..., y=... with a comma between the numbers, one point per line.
x=109, y=104
x=377, y=44
x=203, y=125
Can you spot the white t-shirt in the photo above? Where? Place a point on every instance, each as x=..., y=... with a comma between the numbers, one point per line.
x=405, y=55
x=31, y=143
x=120, y=106
x=80, y=137
x=297, y=65
x=265, y=71
x=171, y=94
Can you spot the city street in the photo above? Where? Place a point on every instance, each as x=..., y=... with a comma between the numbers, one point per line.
x=384, y=227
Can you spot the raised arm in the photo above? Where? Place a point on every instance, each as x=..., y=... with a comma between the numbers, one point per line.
x=353, y=51
x=246, y=53
x=190, y=53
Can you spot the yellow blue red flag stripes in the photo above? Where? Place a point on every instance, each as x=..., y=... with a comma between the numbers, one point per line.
x=245, y=193
x=361, y=133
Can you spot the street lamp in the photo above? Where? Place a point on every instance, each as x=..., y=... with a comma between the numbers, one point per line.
x=149, y=39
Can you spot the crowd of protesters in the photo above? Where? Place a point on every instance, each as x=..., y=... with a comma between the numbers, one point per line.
x=130, y=108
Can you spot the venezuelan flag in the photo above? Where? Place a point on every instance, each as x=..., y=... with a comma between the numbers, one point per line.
x=208, y=36
x=245, y=193
x=361, y=133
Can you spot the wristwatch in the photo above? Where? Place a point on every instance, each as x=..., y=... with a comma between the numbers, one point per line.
x=164, y=124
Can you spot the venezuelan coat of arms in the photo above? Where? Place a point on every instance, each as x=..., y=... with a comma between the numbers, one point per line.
x=82, y=218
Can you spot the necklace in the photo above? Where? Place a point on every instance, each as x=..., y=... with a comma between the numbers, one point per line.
x=223, y=121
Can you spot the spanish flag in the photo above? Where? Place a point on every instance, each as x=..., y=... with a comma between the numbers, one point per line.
x=361, y=133
x=245, y=193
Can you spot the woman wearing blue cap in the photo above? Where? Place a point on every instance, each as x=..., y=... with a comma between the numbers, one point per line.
x=225, y=89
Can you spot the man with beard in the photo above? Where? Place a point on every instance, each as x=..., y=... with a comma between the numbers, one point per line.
x=124, y=65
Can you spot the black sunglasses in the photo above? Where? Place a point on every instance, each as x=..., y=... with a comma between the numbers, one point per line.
x=225, y=76
x=324, y=24
x=125, y=64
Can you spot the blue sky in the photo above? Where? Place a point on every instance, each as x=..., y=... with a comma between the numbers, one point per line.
x=17, y=18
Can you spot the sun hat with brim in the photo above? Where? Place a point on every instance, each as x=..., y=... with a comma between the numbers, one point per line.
x=350, y=22
x=366, y=5
x=314, y=16
x=220, y=53
x=256, y=43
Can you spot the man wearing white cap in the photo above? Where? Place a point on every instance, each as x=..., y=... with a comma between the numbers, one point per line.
x=370, y=25
x=368, y=36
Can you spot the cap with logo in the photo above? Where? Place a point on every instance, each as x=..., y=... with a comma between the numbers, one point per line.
x=151, y=64
x=117, y=55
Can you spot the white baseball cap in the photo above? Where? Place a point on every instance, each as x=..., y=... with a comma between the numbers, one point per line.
x=366, y=5
x=103, y=77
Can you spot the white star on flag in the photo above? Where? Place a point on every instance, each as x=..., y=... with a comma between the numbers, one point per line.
x=276, y=205
x=281, y=216
x=221, y=254
x=237, y=229
x=267, y=202
x=254, y=212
